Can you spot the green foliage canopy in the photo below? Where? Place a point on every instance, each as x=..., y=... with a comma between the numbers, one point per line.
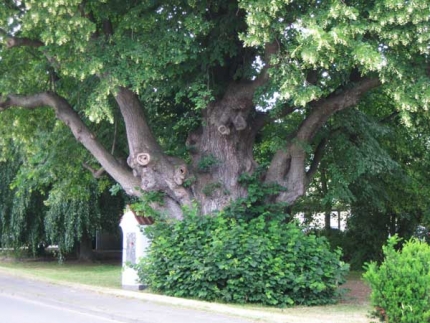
x=186, y=49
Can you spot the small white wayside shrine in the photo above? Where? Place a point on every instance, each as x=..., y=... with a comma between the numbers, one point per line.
x=134, y=245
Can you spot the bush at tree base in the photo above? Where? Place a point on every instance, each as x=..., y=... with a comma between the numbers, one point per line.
x=241, y=261
x=401, y=284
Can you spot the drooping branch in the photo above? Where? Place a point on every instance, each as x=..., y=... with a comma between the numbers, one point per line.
x=319, y=153
x=70, y=117
x=13, y=42
x=115, y=135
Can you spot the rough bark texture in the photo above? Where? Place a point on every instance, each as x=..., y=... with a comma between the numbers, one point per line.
x=155, y=170
x=222, y=149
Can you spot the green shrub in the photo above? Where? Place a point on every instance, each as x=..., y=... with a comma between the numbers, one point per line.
x=242, y=261
x=401, y=284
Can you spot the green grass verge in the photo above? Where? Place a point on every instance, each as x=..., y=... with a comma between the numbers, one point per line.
x=108, y=275
x=102, y=275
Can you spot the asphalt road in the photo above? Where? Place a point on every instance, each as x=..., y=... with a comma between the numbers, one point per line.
x=30, y=301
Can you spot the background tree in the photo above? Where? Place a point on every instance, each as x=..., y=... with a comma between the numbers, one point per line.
x=394, y=201
x=197, y=77
x=375, y=165
x=21, y=215
x=46, y=197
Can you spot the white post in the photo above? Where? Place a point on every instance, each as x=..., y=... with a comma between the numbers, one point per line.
x=134, y=245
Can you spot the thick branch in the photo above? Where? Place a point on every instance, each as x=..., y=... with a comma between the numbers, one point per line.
x=12, y=41
x=390, y=117
x=318, y=155
x=295, y=178
x=65, y=113
x=21, y=42
x=270, y=49
x=147, y=159
x=237, y=102
x=245, y=90
x=324, y=109
x=139, y=135
x=293, y=159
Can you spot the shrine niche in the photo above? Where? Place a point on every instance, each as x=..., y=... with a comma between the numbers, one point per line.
x=135, y=244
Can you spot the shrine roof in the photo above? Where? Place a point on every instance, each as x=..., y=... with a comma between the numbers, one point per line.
x=141, y=220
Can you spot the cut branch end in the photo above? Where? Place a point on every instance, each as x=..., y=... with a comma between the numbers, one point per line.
x=224, y=130
x=143, y=159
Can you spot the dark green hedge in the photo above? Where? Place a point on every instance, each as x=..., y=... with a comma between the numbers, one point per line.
x=227, y=259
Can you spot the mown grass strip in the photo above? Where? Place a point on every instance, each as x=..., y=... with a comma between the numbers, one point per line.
x=103, y=275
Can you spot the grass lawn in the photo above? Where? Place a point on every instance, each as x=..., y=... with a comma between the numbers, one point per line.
x=88, y=274
x=108, y=275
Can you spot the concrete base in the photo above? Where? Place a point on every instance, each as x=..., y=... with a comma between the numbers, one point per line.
x=133, y=287
x=130, y=279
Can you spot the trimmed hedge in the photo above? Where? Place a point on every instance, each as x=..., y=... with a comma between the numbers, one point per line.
x=255, y=261
x=401, y=284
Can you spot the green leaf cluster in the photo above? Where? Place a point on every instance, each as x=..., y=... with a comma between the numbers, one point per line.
x=144, y=205
x=241, y=261
x=401, y=284
x=256, y=203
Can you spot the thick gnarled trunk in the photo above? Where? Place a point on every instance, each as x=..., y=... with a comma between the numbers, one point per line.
x=222, y=152
x=154, y=170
